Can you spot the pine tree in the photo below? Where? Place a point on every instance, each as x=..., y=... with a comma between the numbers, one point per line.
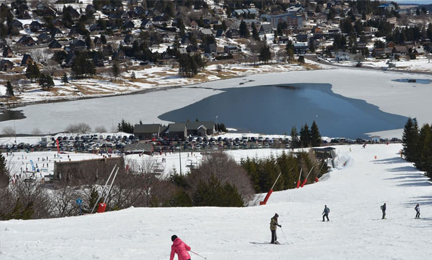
x=255, y=34
x=83, y=66
x=4, y=173
x=65, y=78
x=305, y=136
x=315, y=135
x=180, y=199
x=301, y=60
x=295, y=141
x=425, y=150
x=32, y=71
x=9, y=89
x=265, y=54
x=290, y=51
x=410, y=140
x=243, y=30
x=46, y=81
x=125, y=127
x=115, y=70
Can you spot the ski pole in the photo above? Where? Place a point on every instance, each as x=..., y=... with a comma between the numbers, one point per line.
x=198, y=254
x=286, y=240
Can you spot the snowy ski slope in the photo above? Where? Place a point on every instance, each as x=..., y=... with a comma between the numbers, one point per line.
x=354, y=194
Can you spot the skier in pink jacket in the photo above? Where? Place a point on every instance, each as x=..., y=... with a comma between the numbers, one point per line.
x=180, y=248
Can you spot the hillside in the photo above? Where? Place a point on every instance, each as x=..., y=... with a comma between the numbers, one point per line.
x=354, y=194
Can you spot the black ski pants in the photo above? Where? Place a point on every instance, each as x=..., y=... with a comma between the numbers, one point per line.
x=326, y=216
x=273, y=236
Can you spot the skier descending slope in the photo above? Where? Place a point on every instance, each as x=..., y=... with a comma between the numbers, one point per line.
x=180, y=248
x=326, y=212
x=383, y=208
x=417, y=209
x=273, y=226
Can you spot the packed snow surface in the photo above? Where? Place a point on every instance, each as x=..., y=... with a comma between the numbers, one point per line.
x=367, y=178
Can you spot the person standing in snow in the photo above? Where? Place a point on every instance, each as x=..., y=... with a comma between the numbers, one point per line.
x=273, y=226
x=383, y=208
x=325, y=213
x=417, y=209
x=180, y=248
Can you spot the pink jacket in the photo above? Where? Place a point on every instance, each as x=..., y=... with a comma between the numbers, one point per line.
x=180, y=248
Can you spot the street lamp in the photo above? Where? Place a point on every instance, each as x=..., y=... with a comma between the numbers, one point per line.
x=217, y=127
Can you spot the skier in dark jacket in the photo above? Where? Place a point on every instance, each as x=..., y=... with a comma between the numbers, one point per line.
x=273, y=226
x=326, y=212
x=417, y=209
x=383, y=208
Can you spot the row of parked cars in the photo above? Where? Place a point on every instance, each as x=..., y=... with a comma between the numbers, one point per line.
x=75, y=142
x=89, y=143
x=199, y=143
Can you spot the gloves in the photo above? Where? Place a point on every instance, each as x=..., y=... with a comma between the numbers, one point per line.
x=280, y=225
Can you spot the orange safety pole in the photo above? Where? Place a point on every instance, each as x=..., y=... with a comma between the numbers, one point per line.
x=298, y=182
x=305, y=181
x=270, y=191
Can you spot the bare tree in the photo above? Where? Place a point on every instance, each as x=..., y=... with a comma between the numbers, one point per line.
x=36, y=131
x=9, y=131
x=100, y=129
x=81, y=128
x=25, y=200
x=62, y=202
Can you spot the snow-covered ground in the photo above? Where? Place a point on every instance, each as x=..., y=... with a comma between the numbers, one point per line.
x=354, y=194
x=421, y=64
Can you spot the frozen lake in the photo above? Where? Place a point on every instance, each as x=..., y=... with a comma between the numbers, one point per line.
x=276, y=109
x=364, y=101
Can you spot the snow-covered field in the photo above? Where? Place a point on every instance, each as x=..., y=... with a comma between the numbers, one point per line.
x=354, y=194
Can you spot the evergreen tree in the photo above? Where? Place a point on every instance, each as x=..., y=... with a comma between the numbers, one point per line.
x=65, y=78
x=410, y=140
x=287, y=166
x=425, y=146
x=265, y=54
x=9, y=89
x=83, y=66
x=46, y=81
x=32, y=71
x=305, y=136
x=20, y=211
x=213, y=193
x=180, y=199
x=125, y=127
x=4, y=173
x=243, y=30
x=115, y=70
x=301, y=60
x=295, y=141
x=255, y=34
x=290, y=50
x=315, y=135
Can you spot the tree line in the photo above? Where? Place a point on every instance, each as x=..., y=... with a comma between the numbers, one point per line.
x=417, y=145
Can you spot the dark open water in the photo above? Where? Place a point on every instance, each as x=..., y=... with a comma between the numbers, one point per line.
x=276, y=109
